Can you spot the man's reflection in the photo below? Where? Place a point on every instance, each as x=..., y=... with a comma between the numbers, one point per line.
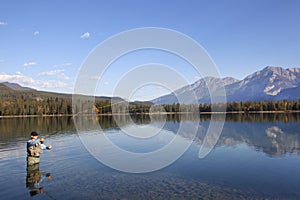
x=35, y=178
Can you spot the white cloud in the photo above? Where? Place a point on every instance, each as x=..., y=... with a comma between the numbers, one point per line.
x=31, y=63
x=53, y=84
x=63, y=65
x=30, y=82
x=1, y=61
x=60, y=73
x=17, y=78
x=36, y=33
x=52, y=73
x=3, y=23
x=66, y=64
x=85, y=35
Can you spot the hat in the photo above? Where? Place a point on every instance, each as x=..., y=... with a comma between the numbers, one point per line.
x=34, y=133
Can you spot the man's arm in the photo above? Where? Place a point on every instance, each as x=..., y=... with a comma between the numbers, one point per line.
x=44, y=147
x=31, y=143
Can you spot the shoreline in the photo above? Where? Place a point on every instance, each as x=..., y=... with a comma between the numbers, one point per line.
x=161, y=113
x=24, y=116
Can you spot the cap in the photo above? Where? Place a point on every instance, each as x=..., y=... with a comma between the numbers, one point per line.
x=34, y=133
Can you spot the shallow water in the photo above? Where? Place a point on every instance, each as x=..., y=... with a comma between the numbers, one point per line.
x=256, y=157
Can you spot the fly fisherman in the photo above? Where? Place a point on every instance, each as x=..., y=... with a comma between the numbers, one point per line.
x=35, y=147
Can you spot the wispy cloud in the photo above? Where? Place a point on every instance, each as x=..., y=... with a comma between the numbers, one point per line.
x=3, y=23
x=85, y=35
x=2, y=61
x=53, y=84
x=67, y=64
x=36, y=33
x=28, y=64
x=60, y=73
x=52, y=73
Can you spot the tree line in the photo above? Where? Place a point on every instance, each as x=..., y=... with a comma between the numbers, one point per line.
x=50, y=106
x=264, y=106
x=230, y=107
x=63, y=106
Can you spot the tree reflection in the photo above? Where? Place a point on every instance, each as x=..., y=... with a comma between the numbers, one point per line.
x=274, y=134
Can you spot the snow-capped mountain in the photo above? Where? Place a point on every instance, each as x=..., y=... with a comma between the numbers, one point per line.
x=271, y=83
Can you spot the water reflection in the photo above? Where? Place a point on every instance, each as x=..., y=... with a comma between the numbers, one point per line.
x=18, y=129
x=281, y=142
x=273, y=134
x=239, y=167
x=35, y=179
x=274, y=139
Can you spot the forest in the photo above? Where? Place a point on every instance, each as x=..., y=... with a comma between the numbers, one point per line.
x=62, y=106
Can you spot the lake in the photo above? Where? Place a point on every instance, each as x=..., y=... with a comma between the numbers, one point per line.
x=256, y=157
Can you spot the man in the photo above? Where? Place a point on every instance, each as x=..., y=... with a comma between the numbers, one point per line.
x=35, y=147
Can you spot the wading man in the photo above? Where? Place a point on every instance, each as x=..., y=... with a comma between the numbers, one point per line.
x=35, y=147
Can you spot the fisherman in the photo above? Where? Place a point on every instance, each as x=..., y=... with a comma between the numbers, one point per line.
x=35, y=147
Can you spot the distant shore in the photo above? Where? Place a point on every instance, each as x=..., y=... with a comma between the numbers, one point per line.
x=21, y=116
x=161, y=113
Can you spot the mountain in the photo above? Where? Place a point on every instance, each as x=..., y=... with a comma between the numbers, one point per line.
x=15, y=91
x=200, y=89
x=270, y=83
x=16, y=86
x=16, y=100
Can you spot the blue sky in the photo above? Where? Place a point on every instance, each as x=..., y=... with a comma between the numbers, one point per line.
x=44, y=43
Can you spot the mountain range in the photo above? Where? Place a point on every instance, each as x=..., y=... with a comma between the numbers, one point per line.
x=268, y=84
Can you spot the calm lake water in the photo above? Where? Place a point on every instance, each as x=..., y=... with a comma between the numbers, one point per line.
x=256, y=157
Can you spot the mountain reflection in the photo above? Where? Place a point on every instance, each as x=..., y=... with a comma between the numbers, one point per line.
x=274, y=139
x=273, y=134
